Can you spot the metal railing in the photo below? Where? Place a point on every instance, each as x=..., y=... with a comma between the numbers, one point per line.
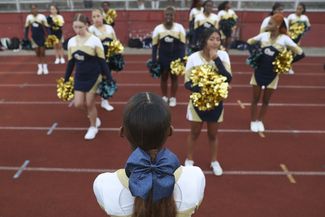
x=70, y=5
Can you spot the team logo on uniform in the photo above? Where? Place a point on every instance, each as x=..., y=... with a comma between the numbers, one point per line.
x=35, y=24
x=79, y=57
x=169, y=39
x=269, y=52
x=207, y=25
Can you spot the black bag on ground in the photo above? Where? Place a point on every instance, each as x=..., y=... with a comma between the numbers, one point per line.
x=14, y=43
x=135, y=43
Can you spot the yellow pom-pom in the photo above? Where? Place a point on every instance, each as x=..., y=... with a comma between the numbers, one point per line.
x=296, y=30
x=213, y=87
x=110, y=16
x=282, y=62
x=114, y=47
x=65, y=91
x=177, y=67
x=51, y=40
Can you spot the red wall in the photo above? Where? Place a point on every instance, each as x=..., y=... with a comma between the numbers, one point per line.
x=12, y=24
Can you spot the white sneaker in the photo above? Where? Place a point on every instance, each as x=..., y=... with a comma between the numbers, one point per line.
x=216, y=168
x=57, y=61
x=105, y=105
x=62, y=61
x=172, y=102
x=40, y=69
x=98, y=122
x=254, y=126
x=91, y=133
x=291, y=72
x=188, y=163
x=260, y=126
x=165, y=98
x=45, y=70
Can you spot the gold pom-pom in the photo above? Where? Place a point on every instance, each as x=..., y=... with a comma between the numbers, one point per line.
x=58, y=23
x=283, y=61
x=213, y=87
x=177, y=67
x=65, y=91
x=114, y=47
x=296, y=30
x=51, y=40
x=110, y=16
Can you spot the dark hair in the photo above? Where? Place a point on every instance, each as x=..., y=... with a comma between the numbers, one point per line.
x=146, y=121
x=106, y=2
x=81, y=18
x=222, y=5
x=303, y=7
x=275, y=6
x=56, y=7
x=204, y=3
x=170, y=8
x=206, y=35
x=194, y=3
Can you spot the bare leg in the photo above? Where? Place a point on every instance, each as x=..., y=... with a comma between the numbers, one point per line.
x=79, y=100
x=192, y=138
x=174, y=85
x=255, y=98
x=163, y=83
x=91, y=108
x=42, y=55
x=213, y=139
x=266, y=100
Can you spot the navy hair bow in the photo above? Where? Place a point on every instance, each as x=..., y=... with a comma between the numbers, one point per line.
x=145, y=175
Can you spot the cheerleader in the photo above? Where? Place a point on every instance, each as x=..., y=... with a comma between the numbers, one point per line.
x=168, y=40
x=106, y=34
x=209, y=54
x=276, y=8
x=153, y=183
x=227, y=22
x=38, y=24
x=272, y=42
x=297, y=18
x=87, y=53
x=106, y=9
x=56, y=22
x=203, y=21
x=196, y=9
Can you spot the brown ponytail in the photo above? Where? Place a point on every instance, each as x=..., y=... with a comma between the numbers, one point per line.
x=279, y=19
x=81, y=18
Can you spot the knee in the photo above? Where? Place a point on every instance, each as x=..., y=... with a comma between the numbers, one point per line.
x=266, y=102
x=212, y=136
x=79, y=104
x=194, y=135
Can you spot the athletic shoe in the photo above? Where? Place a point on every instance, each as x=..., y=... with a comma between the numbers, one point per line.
x=45, y=70
x=57, y=61
x=105, y=105
x=40, y=69
x=291, y=72
x=165, y=98
x=216, y=168
x=172, y=101
x=260, y=126
x=98, y=122
x=62, y=61
x=91, y=133
x=254, y=126
x=188, y=163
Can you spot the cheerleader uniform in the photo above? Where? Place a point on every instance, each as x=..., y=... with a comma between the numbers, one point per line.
x=294, y=19
x=90, y=63
x=38, y=26
x=170, y=44
x=225, y=24
x=266, y=22
x=203, y=22
x=193, y=13
x=264, y=74
x=56, y=23
x=114, y=197
x=222, y=64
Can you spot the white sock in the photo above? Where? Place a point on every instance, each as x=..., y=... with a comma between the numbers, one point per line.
x=44, y=66
x=39, y=66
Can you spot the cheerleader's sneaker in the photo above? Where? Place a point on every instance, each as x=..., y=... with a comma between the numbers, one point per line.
x=91, y=133
x=62, y=61
x=45, y=70
x=260, y=126
x=188, y=163
x=216, y=168
x=105, y=105
x=254, y=126
x=172, y=101
x=57, y=61
x=40, y=69
x=165, y=98
x=98, y=122
x=291, y=72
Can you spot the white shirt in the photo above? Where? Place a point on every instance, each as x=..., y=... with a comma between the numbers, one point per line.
x=223, y=14
x=201, y=19
x=177, y=31
x=293, y=18
x=33, y=20
x=266, y=22
x=114, y=197
x=108, y=33
x=194, y=12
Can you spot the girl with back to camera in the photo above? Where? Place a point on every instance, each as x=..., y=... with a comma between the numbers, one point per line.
x=153, y=183
x=209, y=54
x=38, y=24
x=56, y=22
x=273, y=41
x=86, y=52
x=277, y=8
x=168, y=43
x=106, y=34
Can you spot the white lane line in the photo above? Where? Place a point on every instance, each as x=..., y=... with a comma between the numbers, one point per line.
x=51, y=129
x=289, y=174
x=229, y=172
x=158, y=85
x=179, y=130
x=178, y=103
x=2, y=100
x=21, y=169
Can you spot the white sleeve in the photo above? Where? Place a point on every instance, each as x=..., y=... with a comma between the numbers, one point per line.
x=91, y=29
x=255, y=39
x=290, y=18
x=264, y=24
x=155, y=35
x=188, y=68
x=28, y=18
x=307, y=21
x=292, y=45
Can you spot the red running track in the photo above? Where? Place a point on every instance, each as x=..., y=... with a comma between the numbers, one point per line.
x=58, y=179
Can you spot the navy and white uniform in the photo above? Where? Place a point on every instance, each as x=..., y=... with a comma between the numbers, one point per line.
x=56, y=24
x=114, y=197
x=169, y=43
x=225, y=24
x=222, y=64
x=266, y=22
x=107, y=35
x=38, y=25
x=293, y=19
x=203, y=22
x=193, y=13
x=264, y=74
x=90, y=63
